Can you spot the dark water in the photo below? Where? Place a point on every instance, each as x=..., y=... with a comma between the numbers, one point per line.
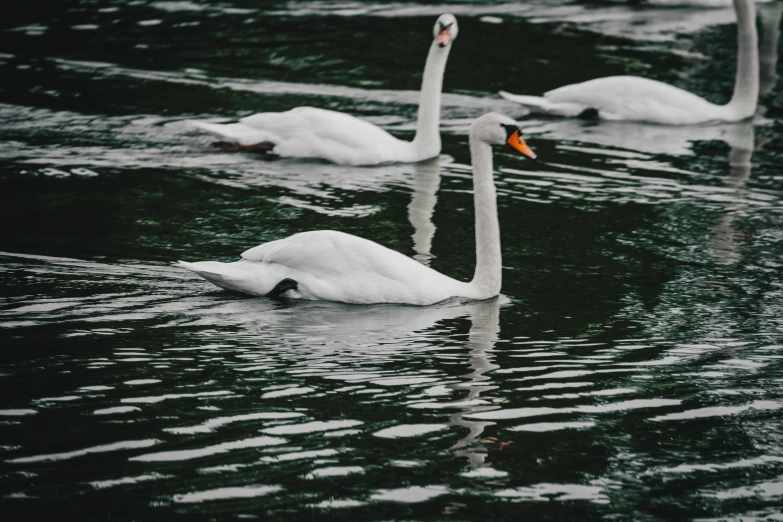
x=632, y=369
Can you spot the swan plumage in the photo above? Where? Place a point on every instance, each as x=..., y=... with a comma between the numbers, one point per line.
x=335, y=266
x=641, y=99
x=311, y=132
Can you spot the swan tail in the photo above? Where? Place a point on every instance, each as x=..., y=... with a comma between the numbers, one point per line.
x=541, y=105
x=223, y=275
x=241, y=136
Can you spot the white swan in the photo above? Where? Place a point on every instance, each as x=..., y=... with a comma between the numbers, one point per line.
x=641, y=99
x=309, y=132
x=334, y=266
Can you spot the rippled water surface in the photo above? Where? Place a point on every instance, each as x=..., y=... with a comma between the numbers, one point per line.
x=632, y=368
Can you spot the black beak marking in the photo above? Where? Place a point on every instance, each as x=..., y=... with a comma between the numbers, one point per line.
x=510, y=129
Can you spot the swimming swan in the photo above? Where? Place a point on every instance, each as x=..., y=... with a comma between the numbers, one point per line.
x=334, y=266
x=309, y=132
x=641, y=99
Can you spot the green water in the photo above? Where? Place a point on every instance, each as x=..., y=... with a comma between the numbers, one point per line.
x=631, y=370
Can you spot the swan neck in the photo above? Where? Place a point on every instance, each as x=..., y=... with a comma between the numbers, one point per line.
x=427, y=137
x=487, y=278
x=746, y=85
x=770, y=15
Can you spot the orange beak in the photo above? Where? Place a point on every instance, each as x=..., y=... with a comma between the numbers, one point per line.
x=516, y=142
x=444, y=37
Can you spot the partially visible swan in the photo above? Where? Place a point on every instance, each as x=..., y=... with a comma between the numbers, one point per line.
x=334, y=266
x=641, y=99
x=309, y=132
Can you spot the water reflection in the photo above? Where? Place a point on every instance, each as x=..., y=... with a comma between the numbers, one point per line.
x=484, y=329
x=426, y=181
x=645, y=138
x=723, y=245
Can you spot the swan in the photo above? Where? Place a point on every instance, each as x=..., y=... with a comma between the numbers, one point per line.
x=310, y=132
x=334, y=266
x=641, y=99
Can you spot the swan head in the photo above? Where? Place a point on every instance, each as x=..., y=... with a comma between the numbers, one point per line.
x=445, y=30
x=498, y=129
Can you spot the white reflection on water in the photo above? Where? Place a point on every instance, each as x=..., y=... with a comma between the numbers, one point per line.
x=596, y=494
x=334, y=471
x=103, y=448
x=212, y=424
x=226, y=493
x=409, y=430
x=410, y=495
x=224, y=447
x=103, y=484
x=720, y=411
x=311, y=427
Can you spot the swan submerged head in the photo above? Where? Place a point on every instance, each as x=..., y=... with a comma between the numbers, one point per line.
x=445, y=30
x=498, y=129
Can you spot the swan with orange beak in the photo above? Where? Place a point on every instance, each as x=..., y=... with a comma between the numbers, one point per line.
x=334, y=266
x=312, y=132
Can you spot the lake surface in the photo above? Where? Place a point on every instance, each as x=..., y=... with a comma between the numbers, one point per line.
x=631, y=370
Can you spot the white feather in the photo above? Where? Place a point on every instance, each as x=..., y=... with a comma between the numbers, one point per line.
x=235, y=132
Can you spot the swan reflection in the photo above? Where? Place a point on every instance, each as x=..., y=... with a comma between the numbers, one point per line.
x=723, y=245
x=361, y=337
x=484, y=330
x=426, y=182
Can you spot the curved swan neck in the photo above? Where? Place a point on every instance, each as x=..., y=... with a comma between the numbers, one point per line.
x=487, y=278
x=427, y=137
x=746, y=86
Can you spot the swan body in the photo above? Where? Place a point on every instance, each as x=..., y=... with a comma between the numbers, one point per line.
x=641, y=99
x=310, y=132
x=334, y=266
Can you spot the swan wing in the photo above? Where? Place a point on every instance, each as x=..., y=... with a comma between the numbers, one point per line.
x=639, y=99
x=310, y=132
x=336, y=266
x=325, y=253
x=235, y=132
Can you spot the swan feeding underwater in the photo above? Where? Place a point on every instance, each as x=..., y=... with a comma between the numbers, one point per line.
x=335, y=266
x=641, y=99
x=310, y=132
